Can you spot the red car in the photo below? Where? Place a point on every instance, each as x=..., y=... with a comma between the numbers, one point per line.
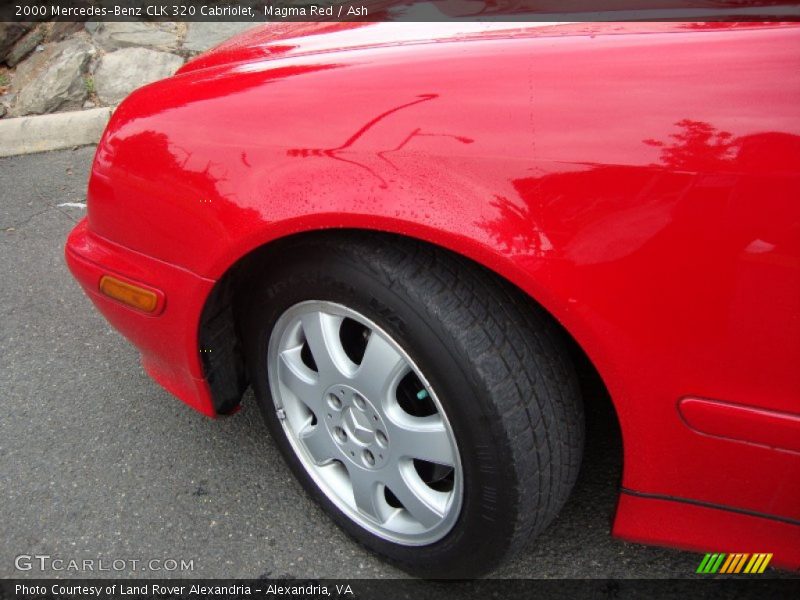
x=408, y=238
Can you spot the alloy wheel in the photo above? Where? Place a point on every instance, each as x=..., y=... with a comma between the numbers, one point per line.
x=365, y=423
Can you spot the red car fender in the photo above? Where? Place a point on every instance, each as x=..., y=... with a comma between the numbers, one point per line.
x=642, y=187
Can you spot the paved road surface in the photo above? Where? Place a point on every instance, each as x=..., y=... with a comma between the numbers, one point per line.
x=96, y=461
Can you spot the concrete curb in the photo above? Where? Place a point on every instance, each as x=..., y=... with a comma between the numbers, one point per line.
x=40, y=133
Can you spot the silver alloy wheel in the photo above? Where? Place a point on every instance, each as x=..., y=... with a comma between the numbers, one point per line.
x=352, y=423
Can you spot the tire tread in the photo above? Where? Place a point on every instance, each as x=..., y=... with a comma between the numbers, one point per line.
x=519, y=355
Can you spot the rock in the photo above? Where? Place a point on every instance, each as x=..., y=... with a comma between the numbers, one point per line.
x=53, y=79
x=202, y=36
x=9, y=34
x=121, y=72
x=24, y=46
x=61, y=29
x=113, y=36
x=30, y=68
x=3, y=110
x=89, y=104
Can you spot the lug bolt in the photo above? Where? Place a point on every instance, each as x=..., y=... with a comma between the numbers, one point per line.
x=369, y=458
x=340, y=435
x=334, y=401
x=359, y=402
x=381, y=437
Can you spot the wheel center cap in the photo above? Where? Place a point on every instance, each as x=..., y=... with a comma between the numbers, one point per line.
x=356, y=427
x=357, y=424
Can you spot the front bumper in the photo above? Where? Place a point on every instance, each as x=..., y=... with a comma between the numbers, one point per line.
x=167, y=339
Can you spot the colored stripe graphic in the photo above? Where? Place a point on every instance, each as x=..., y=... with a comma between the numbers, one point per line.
x=767, y=558
x=718, y=563
x=734, y=563
x=749, y=566
x=703, y=564
x=711, y=563
x=758, y=563
x=727, y=564
x=742, y=559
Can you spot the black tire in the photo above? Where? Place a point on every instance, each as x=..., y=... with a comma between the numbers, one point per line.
x=499, y=365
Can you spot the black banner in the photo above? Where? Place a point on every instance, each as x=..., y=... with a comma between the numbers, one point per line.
x=397, y=10
x=357, y=589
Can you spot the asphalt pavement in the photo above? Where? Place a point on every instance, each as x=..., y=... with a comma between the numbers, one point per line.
x=98, y=462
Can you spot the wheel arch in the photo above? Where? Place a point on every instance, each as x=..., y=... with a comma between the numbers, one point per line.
x=223, y=362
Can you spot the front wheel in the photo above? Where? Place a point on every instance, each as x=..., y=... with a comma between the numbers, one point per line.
x=427, y=406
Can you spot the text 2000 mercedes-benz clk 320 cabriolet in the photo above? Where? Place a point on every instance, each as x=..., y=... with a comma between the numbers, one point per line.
x=410, y=240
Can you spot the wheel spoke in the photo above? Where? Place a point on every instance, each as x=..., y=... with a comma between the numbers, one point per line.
x=322, y=334
x=423, y=503
x=424, y=438
x=379, y=367
x=299, y=379
x=365, y=492
x=318, y=443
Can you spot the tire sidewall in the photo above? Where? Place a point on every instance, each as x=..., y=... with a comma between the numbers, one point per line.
x=481, y=534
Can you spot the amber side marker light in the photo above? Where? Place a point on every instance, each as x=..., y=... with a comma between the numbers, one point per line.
x=129, y=294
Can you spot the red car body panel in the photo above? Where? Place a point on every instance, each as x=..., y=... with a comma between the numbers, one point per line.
x=168, y=341
x=640, y=181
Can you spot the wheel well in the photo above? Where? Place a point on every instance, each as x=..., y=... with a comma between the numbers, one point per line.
x=223, y=359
